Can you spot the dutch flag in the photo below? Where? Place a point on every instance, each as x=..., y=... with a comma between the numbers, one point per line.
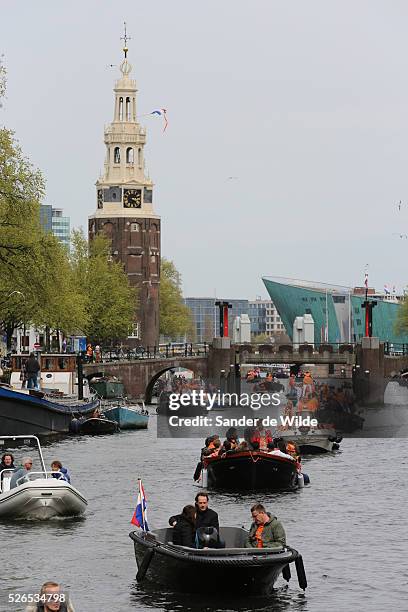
x=139, y=516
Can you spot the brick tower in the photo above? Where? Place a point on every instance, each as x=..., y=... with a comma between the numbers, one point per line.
x=125, y=213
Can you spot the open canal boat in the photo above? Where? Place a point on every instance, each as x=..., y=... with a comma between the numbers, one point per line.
x=233, y=569
x=250, y=470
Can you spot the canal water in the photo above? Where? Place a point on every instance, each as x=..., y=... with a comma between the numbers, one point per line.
x=350, y=525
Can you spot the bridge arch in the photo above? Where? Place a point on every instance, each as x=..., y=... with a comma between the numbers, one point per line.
x=149, y=388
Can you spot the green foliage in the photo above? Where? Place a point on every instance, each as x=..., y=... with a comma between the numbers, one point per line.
x=401, y=324
x=261, y=339
x=110, y=302
x=175, y=316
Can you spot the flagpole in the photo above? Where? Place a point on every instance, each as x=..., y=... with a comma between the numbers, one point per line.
x=141, y=502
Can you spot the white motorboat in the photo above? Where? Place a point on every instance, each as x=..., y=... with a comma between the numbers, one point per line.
x=37, y=494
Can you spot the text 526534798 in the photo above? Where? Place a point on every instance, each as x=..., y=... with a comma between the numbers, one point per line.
x=37, y=598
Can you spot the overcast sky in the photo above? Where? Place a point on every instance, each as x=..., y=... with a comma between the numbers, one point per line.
x=305, y=102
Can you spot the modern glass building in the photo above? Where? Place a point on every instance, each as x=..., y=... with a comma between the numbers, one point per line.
x=337, y=311
x=52, y=220
x=206, y=315
x=46, y=217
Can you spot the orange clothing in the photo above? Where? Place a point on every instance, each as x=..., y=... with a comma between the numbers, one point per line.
x=258, y=536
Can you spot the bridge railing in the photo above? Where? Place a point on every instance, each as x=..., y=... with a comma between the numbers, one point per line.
x=305, y=347
x=395, y=349
x=161, y=351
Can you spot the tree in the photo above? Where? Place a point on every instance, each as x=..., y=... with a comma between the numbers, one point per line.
x=175, y=317
x=110, y=301
x=401, y=324
x=261, y=339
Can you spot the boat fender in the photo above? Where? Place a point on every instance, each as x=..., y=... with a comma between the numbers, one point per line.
x=306, y=478
x=301, y=574
x=197, y=472
x=300, y=481
x=286, y=573
x=144, y=566
x=204, y=479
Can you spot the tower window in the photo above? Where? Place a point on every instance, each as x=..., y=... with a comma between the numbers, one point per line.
x=139, y=157
x=134, y=227
x=129, y=155
x=121, y=109
x=127, y=109
x=116, y=155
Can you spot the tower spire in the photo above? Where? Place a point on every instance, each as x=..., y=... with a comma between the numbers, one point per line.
x=125, y=38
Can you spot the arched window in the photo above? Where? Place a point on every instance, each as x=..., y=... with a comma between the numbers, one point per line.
x=129, y=155
x=116, y=155
x=139, y=157
x=128, y=109
x=121, y=109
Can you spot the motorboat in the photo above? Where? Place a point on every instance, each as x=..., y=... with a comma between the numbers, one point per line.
x=128, y=417
x=32, y=412
x=48, y=410
x=233, y=569
x=94, y=425
x=250, y=470
x=38, y=494
x=312, y=440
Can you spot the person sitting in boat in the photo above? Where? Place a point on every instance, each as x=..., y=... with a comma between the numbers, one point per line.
x=232, y=441
x=266, y=531
x=27, y=464
x=7, y=462
x=264, y=438
x=185, y=527
x=56, y=467
x=279, y=448
x=205, y=516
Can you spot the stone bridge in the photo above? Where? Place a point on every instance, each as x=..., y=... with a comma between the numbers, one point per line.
x=139, y=375
x=372, y=364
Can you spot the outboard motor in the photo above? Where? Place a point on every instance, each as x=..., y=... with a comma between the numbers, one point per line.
x=207, y=537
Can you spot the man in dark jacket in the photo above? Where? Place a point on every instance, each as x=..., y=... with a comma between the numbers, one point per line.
x=205, y=516
x=266, y=531
x=32, y=369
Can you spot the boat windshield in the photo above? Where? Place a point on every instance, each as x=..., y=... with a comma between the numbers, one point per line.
x=23, y=448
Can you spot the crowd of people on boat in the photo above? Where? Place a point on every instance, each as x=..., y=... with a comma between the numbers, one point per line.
x=254, y=439
x=19, y=474
x=197, y=526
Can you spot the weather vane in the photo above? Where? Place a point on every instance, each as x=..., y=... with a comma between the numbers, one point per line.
x=125, y=38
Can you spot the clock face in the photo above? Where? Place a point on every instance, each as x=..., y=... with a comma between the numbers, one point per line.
x=132, y=198
x=100, y=198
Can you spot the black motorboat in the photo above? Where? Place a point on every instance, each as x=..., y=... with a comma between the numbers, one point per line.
x=250, y=470
x=92, y=426
x=31, y=413
x=233, y=569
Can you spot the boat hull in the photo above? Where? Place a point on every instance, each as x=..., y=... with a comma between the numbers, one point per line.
x=255, y=470
x=22, y=414
x=312, y=442
x=127, y=418
x=94, y=426
x=42, y=499
x=238, y=571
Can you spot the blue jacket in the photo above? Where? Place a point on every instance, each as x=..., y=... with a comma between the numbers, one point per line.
x=66, y=475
